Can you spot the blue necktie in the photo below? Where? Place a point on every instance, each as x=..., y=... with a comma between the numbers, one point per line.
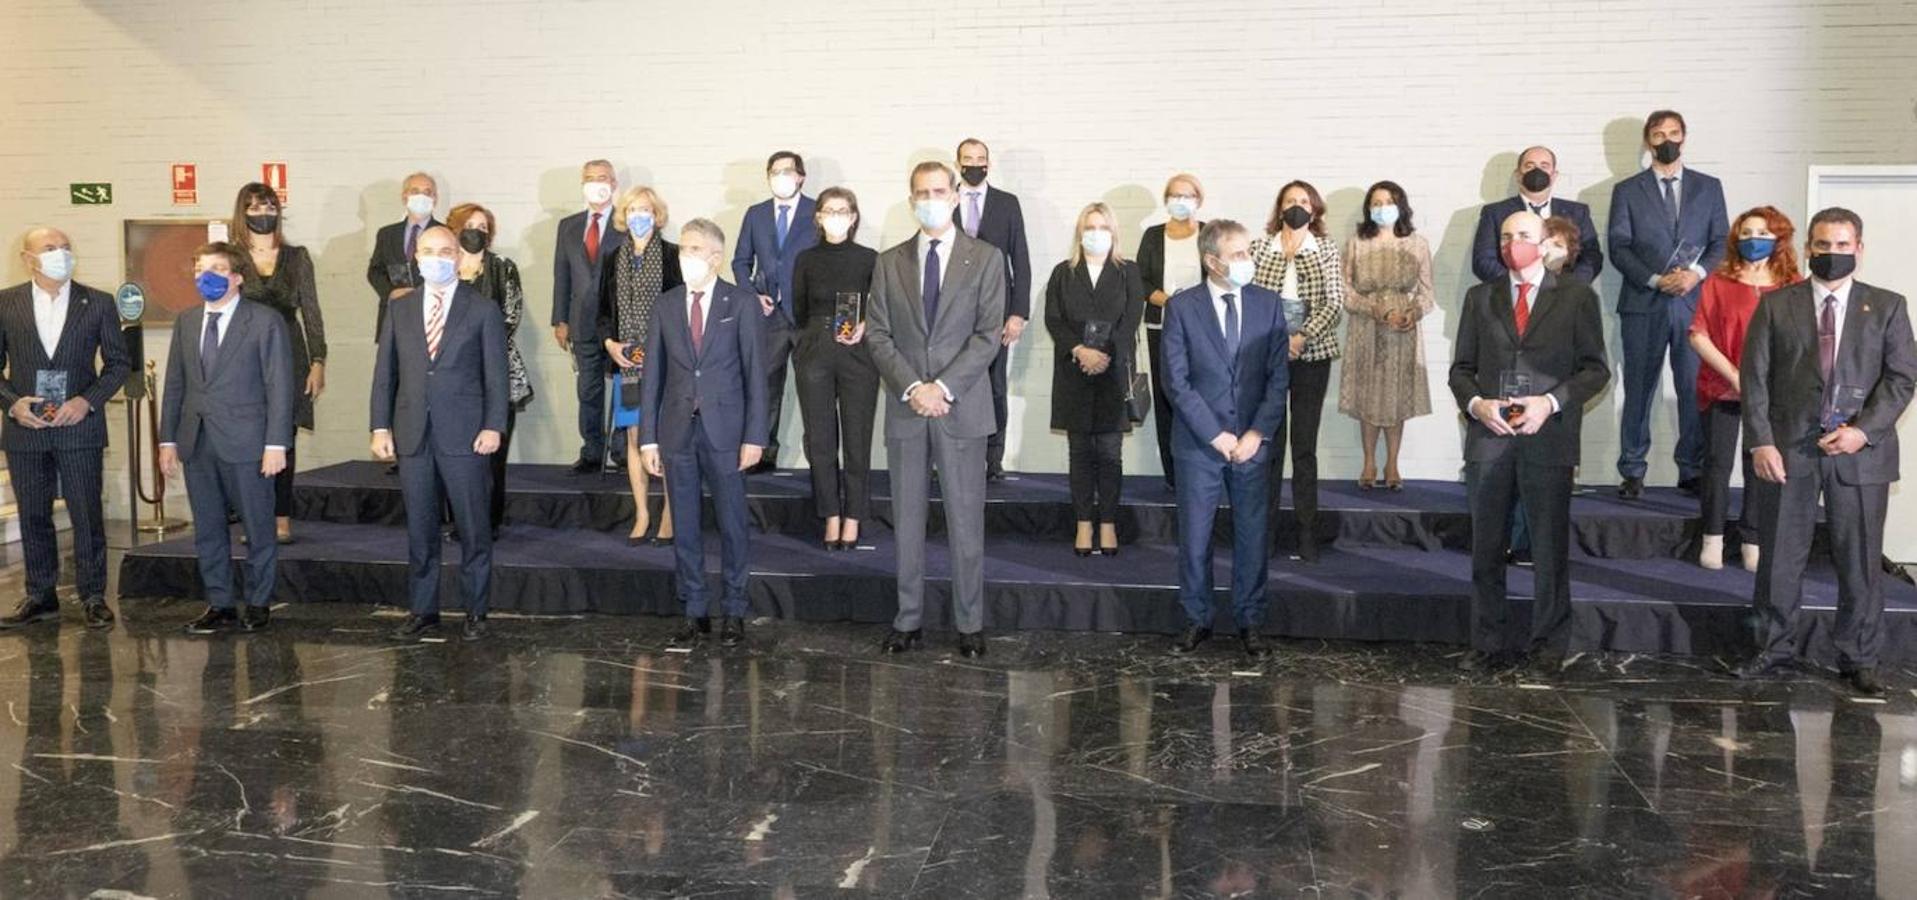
x=930, y=288
x=1670, y=199
x=209, y=345
x=784, y=220
x=1231, y=327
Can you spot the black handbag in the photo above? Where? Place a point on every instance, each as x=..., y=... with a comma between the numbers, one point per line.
x=1138, y=395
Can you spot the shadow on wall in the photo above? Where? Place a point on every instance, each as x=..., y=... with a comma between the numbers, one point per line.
x=1624, y=157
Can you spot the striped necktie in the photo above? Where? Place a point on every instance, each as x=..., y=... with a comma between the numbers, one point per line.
x=435, y=324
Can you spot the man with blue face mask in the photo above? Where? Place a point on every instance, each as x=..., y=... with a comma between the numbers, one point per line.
x=52, y=331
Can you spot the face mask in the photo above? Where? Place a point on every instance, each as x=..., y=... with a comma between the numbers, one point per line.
x=837, y=227
x=436, y=270
x=596, y=192
x=263, y=224
x=1756, y=249
x=1520, y=255
x=1833, y=266
x=419, y=204
x=56, y=264
x=784, y=186
x=1384, y=216
x=1667, y=152
x=1240, y=271
x=640, y=224
x=1096, y=243
x=694, y=269
x=1296, y=217
x=1181, y=208
x=1554, y=256
x=212, y=286
x=973, y=175
x=932, y=214
x=473, y=240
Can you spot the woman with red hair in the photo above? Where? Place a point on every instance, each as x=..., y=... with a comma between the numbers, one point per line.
x=1759, y=261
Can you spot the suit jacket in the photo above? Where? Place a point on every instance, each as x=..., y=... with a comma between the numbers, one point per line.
x=460, y=393
x=759, y=262
x=390, y=267
x=246, y=403
x=1092, y=403
x=92, y=332
x=1783, y=387
x=1562, y=350
x=1211, y=391
x=1489, y=266
x=957, y=350
x=1642, y=237
x=608, y=302
x=575, y=277
x=1002, y=224
x=1151, y=268
x=724, y=380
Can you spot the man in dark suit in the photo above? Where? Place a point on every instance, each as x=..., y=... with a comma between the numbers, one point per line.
x=439, y=404
x=1537, y=176
x=1828, y=368
x=1655, y=214
x=585, y=238
x=392, y=271
x=703, y=420
x=1226, y=368
x=771, y=236
x=1529, y=355
x=993, y=215
x=227, y=414
x=54, y=329
x=933, y=326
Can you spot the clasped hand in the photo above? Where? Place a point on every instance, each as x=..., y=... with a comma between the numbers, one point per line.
x=1238, y=448
x=1091, y=362
x=928, y=400
x=1490, y=413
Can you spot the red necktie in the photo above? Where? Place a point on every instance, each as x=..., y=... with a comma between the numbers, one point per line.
x=1523, y=310
x=698, y=323
x=592, y=240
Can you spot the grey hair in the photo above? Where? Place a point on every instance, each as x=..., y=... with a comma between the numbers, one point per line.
x=425, y=175
x=707, y=228
x=1214, y=233
x=596, y=162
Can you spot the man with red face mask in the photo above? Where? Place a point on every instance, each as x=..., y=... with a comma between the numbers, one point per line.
x=1529, y=355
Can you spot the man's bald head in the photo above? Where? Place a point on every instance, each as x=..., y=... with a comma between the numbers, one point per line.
x=1523, y=225
x=45, y=238
x=438, y=240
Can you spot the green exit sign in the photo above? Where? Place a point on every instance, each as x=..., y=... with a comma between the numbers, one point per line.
x=91, y=194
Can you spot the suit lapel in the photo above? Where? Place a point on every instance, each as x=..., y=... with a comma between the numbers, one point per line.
x=76, y=305
x=1849, y=343
x=192, y=324
x=1543, y=306
x=959, y=273
x=906, y=267
x=457, y=301
x=24, y=307
x=230, y=338
x=1502, y=308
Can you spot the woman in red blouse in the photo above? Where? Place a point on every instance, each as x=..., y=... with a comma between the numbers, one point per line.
x=1759, y=261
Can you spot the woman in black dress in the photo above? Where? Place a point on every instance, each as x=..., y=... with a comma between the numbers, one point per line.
x=1093, y=305
x=497, y=279
x=838, y=382
x=630, y=282
x=280, y=276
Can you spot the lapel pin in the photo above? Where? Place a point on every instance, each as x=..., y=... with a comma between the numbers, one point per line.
x=1866, y=307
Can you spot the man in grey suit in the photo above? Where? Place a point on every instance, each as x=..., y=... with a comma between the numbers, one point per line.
x=1828, y=367
x=227, y=413
x=933, y=324
x=585, y=237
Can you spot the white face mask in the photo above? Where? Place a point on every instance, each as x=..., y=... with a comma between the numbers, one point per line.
x=1554, y=255
x=1181, y=208
x=420, y=204
x=694, y=269
x=1240, y=271
x=596, y=192
x=1096, y=242
x=932, y=214
x=836, y=226
x=784, y=186
x=56, y=264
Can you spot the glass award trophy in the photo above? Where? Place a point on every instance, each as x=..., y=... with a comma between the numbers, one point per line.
x=1512, y=386
x=848, y=313
x=1684, y=256
x=50, y=385
x=1845, y=402
x=1097, y=336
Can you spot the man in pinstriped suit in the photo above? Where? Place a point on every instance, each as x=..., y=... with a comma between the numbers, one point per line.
x=54, y=324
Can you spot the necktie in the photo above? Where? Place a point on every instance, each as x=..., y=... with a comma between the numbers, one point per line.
x=592, y=240
x=209, y=345
x=1827, y=341
x=1231, y=326
x=412, y=239
x=1523, y=309
x=1537, y=209
x=435, y=324
x=929, y=288
x=698, y=322
x=785, y=219
x=971, y=213
x=1670, y=198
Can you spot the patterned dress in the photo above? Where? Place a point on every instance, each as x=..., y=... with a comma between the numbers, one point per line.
x=1384, y=381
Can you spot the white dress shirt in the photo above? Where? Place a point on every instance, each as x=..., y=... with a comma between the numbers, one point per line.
x=944, y=255
x=1218, y=308
x=1543, y=210
x=1819, y=291
x=50, y=314
x=1288, y=286
x=605, y=219
x=426, y=309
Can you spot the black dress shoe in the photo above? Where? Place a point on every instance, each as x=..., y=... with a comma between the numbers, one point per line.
x=474, y=629
x=1253, y=644
x=1691, y=487
x=254, y=618
x=30, y=611
x=1544, y=665
x=1760, y=666
x=732, y=632
x=415, y=627
x=690, y=633
x=1308, y=550
x=901, y=641
x=1081, y=552
x=763, y=466
x=1480, y=662
x=614, y=466
x=994, y=475
x=1631, y=489
x=1518, y=558
x=94, y=612
x=662, y=542
x=213, y=621
x=1190, y=638
x=1864, y=680
x=584, y=466
x=972, y=646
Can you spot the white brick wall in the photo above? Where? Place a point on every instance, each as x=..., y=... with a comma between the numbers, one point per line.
x=1079, y=100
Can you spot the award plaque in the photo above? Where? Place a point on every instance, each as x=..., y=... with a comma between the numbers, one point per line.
x=50, y=385
x=1512, y=386
x=848, y=313
x=1684, y=256
x=1845, y=402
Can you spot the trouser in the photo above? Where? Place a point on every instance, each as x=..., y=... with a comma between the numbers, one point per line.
x=1646, y=338
x=1096, y=474
x=1854, y=516
x=283, y=484
x=1205, y=478
x=1723, y=426
x=1545, y=493
x=428, y=478
x=995, y=445
x=700, y=463
x=1161, y=403
x=838, y=400
x=1304, y=408
x=40, y=475
x=961, y=468
x=589, y=357
x=212, y=488
x=496, y=506
x=779, y=339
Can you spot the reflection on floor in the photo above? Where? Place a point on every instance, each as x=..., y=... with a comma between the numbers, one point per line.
x=574, y=758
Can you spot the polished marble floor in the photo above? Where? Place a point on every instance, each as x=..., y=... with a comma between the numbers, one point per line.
x=575, y=758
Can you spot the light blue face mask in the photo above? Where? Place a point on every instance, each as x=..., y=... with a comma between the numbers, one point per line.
x=1181, y=208
x=640, y=224
x=932, y=214
x=1096, y=243
x=56, y=264
x=436, y=270
x=1385, y=216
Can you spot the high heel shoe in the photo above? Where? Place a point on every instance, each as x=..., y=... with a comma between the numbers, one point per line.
x=1107, y=549
x=1367, y=482
x=1395, y=485
x=848, y=543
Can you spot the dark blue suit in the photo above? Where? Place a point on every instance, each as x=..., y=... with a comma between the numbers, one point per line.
x=435, y=408
x=1649, y=321
x=763, y=262
x=1488, y=265
x=698, y=407
x=575, y=304
x=1212, y=392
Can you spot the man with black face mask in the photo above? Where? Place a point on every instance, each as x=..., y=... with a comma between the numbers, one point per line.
x=1537, y=176
x=1829, y=365
x=1668, y=230
x=993, y=215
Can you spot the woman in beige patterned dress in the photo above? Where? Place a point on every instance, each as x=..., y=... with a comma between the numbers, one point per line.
x=1388, y=291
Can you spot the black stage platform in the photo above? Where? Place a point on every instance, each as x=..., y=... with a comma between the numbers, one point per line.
x=1397, y=572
